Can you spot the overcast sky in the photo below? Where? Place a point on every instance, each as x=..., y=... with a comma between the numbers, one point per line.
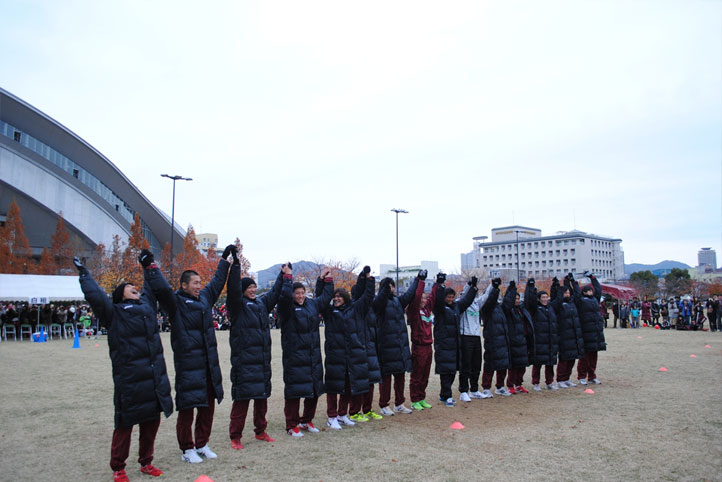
x=303, y=123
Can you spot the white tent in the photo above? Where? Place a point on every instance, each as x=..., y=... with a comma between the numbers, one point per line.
x=39, y=289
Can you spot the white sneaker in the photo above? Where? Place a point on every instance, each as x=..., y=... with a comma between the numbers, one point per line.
x=476, y=394
x=552, y=387
x=387, y=412
x=333, y=424
x=465, y=397
x=206, y=452
x=295, y=432
x=571, y=384
x=583, y=381
x=502, y=391
x=536, y=388
x=597, y=381
x=308, y=427
x=402, y=409
x=191, y=457
x=346, y=421
x=486, y=394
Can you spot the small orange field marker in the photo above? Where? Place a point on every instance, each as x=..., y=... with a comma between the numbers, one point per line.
x=456, y=426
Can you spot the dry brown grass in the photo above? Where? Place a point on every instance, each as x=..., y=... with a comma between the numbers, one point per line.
x=56, y=416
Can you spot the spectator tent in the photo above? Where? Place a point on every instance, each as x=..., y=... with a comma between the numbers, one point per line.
x=25, y=287
x=623, y=293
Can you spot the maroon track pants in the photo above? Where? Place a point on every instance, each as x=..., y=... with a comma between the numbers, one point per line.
x=515, y=377
x=291, y=411
x=564, y=370
x=120, y=446
x=487, y=376
x=587, y=366
x=548, y=374
x=421, y=356
x=385, y=389
x=239, y=410
x=204, y=424
x=368, y=400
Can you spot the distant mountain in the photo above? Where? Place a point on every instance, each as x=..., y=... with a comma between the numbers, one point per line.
x=659, y=269
x=267, y=276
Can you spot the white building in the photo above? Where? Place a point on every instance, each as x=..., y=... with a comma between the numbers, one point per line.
x=545, y=256
x=408, y=273
x=208, y=241
x=706, y=258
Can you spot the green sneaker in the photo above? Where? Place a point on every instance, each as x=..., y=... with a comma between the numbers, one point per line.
x=373, y=415
x=417, y=406
x=425, y=404
x=359, y=417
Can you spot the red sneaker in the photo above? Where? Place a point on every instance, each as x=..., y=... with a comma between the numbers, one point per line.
x=521, y=389
x=265, y=437
x=120, y=476
x=236, y=444
x=150, y=470
x=511, y=390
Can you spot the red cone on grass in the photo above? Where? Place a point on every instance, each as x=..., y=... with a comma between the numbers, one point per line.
x=456, y=426
x=693, y=356
x=203, y=478
x=707, y=346
x=662, y=369
x=639, y=337
x=589, y=391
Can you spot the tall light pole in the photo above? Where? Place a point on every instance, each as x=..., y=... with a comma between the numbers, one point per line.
x=172, y=215
x=397, y=211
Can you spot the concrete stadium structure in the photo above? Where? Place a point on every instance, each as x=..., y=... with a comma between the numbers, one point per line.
x=48, y=170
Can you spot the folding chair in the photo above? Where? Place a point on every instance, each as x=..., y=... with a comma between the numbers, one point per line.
x=69, y=330
x=55, y=329
x=26, y=329
x=9, y=330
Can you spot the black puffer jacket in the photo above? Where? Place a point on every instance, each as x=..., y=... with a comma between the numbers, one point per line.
x=301, y=343
x=447, y=344
x=546, y=336
x=345, y=344
x=393, y=335
x=140, y=380
x=518, y=323
x=250, y=337
x=496, y=334
x=371, y=341
x=193, y=337
x=591, y=317
x=571, y=342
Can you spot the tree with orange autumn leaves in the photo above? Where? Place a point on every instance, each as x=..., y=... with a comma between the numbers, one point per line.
x=14, y=248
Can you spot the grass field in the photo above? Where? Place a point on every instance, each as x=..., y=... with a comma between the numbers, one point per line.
x=56, y=416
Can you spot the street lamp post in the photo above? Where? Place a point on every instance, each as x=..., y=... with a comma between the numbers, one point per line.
x=397, y=211
x=172, y=215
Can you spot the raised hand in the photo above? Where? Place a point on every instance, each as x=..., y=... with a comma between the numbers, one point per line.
x=570, y=276
x=146, y=258
x=286, y=268
x=473, y=281
x=78, y=265
x=325, y=273
x=422, y=274
x=531, y=282
x=441, y=278
x=365, y=272
x=496, y=282
x=228, y=251
x=512, y=285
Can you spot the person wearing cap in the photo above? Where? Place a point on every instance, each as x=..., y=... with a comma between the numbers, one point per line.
x=393, y=343
x=545, y=348
x=420, y=315
x=571, y=340
x=592, y=324
x=347, y=375
x=198, y=381
x=141, y=389
x=496, y=342
x=447, y=340
x=250, y=341
x=302, y=365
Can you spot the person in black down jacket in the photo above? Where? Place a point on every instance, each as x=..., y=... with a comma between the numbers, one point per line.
x=250, y=341
x=393, y=343
x=571, y=342
x=521, y=338
x=546, y=336
x=496, y=342
x=302, y=364
x=140, y=380
x=347, y=374
x=447, y=337
x=357, y=292
x=198, y=381
x=592, y=328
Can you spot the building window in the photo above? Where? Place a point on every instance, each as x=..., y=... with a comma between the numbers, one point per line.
x=75, y=175
x=16, y=136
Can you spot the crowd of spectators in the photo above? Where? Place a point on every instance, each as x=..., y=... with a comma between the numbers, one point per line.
x=680, y=313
